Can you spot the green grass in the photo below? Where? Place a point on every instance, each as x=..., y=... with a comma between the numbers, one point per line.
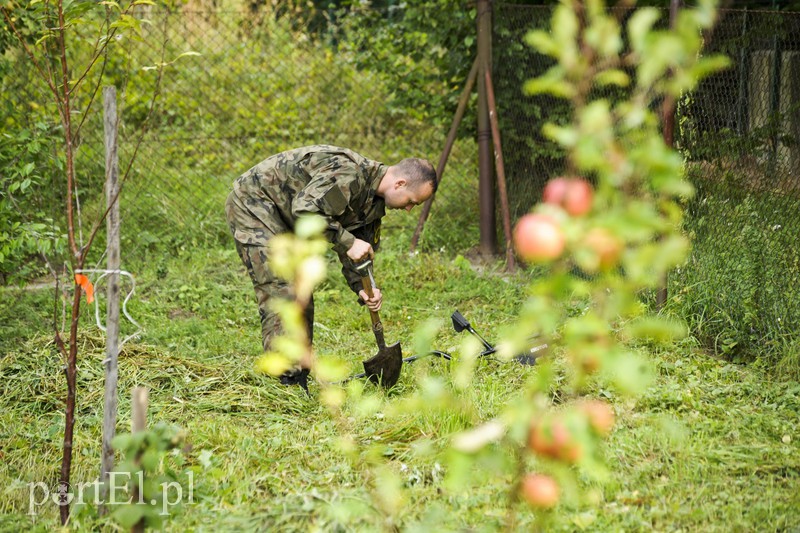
x=738, y=289
x=702, y=450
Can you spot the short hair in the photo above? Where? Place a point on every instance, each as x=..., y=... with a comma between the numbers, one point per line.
x=418, y=172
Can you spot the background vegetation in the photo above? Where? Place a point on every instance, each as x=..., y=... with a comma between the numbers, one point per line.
x=710, y=445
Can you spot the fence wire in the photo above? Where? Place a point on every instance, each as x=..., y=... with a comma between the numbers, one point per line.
x=205, y=95
x=234, y=87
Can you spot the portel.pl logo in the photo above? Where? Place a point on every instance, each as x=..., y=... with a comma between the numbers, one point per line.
x=118, y=493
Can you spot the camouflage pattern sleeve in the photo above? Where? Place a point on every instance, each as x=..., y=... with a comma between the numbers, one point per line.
x=352, y=277
x=371, y=233
x=328, y=194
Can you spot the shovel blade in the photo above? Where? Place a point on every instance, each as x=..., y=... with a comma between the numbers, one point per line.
x=384, y=368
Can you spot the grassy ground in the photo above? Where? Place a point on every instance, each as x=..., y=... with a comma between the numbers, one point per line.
x=711, y=446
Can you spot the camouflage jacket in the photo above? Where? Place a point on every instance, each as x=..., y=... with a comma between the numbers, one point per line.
x=336, y=183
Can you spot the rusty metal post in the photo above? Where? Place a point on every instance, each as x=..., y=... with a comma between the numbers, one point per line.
x=488, y=229
x=501, y=173
x=448, y=145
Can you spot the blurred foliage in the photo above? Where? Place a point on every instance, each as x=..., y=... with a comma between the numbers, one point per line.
x=613, y=142
x=151, y=482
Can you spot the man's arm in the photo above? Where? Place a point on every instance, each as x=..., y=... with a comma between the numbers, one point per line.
x=369, y=233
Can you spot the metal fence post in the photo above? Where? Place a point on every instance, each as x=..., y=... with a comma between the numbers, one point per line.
x=741, y=108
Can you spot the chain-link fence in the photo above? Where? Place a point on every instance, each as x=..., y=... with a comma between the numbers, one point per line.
x=233, y=87
x=740, y=133
x=258, y=84
x=205, y=95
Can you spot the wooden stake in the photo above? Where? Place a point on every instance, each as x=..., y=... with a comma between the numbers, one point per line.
x=112, y=287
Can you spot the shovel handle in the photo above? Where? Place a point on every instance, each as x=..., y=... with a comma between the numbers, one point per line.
x=365, y=271
x=376, y=319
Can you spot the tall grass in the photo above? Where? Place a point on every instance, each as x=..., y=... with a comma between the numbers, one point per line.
x=739, y=290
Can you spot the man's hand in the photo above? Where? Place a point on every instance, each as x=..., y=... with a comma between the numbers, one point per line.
x=360, y=251
x=374, y=303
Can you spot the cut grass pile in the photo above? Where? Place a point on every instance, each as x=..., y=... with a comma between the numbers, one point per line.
x=711, y=446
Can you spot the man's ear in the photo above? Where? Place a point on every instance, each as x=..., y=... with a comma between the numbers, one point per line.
x=400, y=183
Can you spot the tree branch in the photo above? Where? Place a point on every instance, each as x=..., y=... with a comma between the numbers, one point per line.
x=48, y=80
x=142, y=132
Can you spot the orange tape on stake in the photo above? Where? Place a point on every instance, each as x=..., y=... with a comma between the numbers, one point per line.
x=87, y=287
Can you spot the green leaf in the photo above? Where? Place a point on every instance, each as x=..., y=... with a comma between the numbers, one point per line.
x=658, y=329
x=551, y=82
x=122, y=442
x=150, y=459
x=640, y=23
x=308, y=226
x=476, y=438
x=612, y=77
x=565, y=30
x=542, y=42
x=273, y=363
x=330, y=369
x=709, y=65
x=424, y=335
x=187, y=54
x=128, y=515
x=666, y=49
x=127, y=22
x=604, y=36
x=565, y=136
x=629, y=372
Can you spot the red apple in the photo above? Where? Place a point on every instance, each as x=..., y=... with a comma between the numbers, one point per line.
x=578, y=197
x=555, y=190
x=600, y=415
x=540, y=491
x=539, y=439
x=537, y=238
x=575, y=195
x=606, y=247
x=552, y=438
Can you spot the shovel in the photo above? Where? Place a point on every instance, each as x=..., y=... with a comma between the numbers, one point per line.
x=384, y=368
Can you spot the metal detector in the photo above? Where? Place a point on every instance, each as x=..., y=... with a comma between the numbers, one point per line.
x=460, y=324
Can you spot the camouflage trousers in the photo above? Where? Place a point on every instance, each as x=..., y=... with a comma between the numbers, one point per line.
x=253, y=223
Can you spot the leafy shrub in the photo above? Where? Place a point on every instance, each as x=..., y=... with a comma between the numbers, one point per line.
x=27, y=202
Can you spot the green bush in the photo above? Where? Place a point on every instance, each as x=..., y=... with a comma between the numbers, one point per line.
x=27, y=226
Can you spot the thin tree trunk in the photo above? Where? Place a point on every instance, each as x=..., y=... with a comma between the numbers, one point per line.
x=69, y=417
